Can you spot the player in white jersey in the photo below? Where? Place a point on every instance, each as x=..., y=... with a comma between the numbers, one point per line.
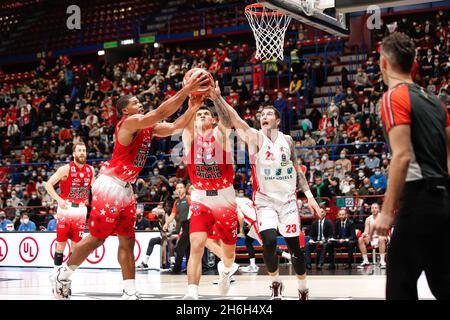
x=247, y=217
x=276, y=180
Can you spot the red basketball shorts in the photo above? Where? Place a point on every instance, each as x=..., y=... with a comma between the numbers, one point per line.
x=113, y=208
x=70, y=223
x=214, y=212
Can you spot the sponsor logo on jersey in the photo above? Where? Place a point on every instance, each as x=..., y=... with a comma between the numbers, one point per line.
x=73, y=169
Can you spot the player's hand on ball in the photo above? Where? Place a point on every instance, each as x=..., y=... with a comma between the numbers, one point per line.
x=214, y=91
x=313, y=206
x=195, y=82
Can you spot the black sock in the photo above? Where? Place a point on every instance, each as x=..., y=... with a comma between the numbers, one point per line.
x=58, y=258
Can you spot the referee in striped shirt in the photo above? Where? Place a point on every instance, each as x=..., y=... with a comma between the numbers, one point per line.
x=417, y=127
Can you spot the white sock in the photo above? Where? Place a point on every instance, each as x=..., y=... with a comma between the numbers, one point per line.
x=382, y=255
x=193, y=290
x=66, y=272
x=365, y=258
x=252, y=261
x=302, y=284
x=129, y=286
x=172, y=259
x=146, y=259
x=275, y=278
x=286, y=255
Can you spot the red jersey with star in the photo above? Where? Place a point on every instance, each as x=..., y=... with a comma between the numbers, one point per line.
x=210, y=166
x=128, y=161
x=76, y=187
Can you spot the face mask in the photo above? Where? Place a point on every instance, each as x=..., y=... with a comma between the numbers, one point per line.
x=324, y=116
x=352, y=186
x=362, y=167
x=181, y=167
x=338, y=167
x=241, y=195
x=156, y=173
x=152, y=193
x=361, y=174
x=377, y=173
x=34, y=174
x=342, y=156
x=307, y=136
x=266, y=99
x=13, y=197
x=383, y=156
x=25, y=221
x=326, y=175
x=367, y=185
x=163, y=189
x=324, y=158
x=17, y=189
x=335, y=114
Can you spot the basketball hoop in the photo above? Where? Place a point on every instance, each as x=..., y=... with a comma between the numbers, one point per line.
x=269, y=27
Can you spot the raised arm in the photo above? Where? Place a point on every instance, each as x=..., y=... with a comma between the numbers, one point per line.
x=167, y=108
x=54, y=179
x=230, y=117
x=167, y=129
x=302, y=182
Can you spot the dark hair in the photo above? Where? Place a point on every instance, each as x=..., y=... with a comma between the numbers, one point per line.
x=122, y=103
x=400, y=50
x=277, y=113
x=205, y=107
x=77, y=144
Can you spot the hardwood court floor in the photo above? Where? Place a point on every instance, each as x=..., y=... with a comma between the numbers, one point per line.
x=101, y=284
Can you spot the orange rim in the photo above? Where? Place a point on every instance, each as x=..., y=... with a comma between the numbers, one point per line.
x=248, y=9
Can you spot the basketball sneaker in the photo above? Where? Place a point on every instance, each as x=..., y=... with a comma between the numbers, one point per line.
x=142, y=266
x=232, y=279
x=303, y=294
x=277, y=290
x=382, y=264
x=249, y=269
x=224, y=279
x=60, y=288
x=363, y=265
x=187, y=296
x=131, y=296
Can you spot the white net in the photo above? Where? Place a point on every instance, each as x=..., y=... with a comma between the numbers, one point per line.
x=269, y=28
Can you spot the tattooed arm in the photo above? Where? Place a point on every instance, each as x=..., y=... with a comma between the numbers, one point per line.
x=302, y=182
x=232, y=119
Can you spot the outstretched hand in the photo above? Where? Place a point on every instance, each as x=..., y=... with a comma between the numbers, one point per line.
x=194, y=83
x=214, y=91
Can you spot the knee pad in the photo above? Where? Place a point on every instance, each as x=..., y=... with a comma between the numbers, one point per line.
x=297, y=255
x=269, y=238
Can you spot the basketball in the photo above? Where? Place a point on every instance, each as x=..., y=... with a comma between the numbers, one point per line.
x=194, y=72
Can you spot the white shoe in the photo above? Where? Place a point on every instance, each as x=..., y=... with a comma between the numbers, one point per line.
x=131, y=296
x=232, y=279
x=363, y=265
x=224, y=279
x=234, y=268
x=190, y=297
x=250, y=269
x=382, y=264
x=60, y=288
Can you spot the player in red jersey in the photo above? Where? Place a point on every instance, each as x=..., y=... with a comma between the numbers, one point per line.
x=113, y=201
x=213, y=203
x=75, y=181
